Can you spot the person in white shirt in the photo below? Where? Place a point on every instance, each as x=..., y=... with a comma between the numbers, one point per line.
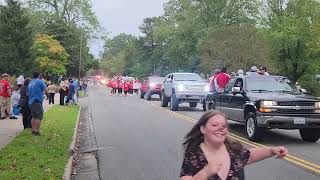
x=20, y=81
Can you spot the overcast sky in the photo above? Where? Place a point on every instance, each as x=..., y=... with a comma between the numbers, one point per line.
x=117, y=16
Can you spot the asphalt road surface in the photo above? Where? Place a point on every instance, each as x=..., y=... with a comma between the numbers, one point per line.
x=138, y=140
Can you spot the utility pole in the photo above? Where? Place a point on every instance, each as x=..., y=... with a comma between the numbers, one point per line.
x=80, y=56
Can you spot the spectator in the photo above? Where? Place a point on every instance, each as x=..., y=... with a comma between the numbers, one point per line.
x=213, y=88
x=84, y=88
x=72, y=91
x=20, y=81
x=36, y=89
x=240, y=72
x=253, y=71
x=23, y=103
x=222, y=80
x=264, y=71
x=5, y=93
x=63, y=91
x=15, y=97
x=52, y=92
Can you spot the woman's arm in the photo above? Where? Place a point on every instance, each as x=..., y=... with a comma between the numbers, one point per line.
x=261, y=153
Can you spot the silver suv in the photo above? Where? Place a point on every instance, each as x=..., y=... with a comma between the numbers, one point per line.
x=184, y=87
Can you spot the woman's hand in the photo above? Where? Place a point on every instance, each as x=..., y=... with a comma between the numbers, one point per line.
x=212, y=168
x=280, y=151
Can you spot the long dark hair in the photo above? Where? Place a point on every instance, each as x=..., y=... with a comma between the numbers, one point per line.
x=195, y=137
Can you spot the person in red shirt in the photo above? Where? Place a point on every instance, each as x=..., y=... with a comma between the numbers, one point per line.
x=5, y=93
x=222, y=80
x=120, y=87
x=126, y=87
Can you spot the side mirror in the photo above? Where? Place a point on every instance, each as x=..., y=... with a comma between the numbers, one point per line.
x=304, y=91
x=235, y=90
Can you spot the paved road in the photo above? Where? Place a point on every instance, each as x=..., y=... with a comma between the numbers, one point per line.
x=139, y=141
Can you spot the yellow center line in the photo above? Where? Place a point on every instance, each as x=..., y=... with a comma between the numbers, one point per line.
x=290, y=158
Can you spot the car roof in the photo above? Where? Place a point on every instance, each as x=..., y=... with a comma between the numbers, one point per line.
x=259, y=76
x=183, y=73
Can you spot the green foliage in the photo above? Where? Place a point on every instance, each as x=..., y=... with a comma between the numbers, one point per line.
x=49, y=55
x=41, y=157
x=15, y=39
x=294, y=34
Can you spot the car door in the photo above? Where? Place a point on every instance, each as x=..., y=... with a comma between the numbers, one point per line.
x=166, y=85
x=237, y=102
x=225, y=99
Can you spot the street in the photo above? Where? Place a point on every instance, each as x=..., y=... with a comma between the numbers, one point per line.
x=139, y=140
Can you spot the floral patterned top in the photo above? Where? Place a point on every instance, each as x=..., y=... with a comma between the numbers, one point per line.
x=195, y=161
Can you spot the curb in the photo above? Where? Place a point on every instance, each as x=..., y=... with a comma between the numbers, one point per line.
x=68, y=168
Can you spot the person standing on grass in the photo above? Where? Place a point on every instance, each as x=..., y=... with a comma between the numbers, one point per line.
x=62, y=91
x=52, y=92
x=24, y=105
x=36, y=91
x=72, y=92
x=15, y=98
x=20, y=81
x=5, y=93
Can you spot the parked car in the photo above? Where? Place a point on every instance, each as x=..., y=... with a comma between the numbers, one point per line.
x=268, y=102
x=151, y=85
x=184, y=87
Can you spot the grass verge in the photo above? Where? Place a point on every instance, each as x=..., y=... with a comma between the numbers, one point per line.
x=45, y=156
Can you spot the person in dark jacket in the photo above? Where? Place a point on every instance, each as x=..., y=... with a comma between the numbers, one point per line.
x=23, y=103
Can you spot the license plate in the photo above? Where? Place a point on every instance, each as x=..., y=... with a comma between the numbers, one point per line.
x=299, y=120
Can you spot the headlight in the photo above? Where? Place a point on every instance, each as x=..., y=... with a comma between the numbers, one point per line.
x=317, y=105
x=152, y=84
x=268, y=103
x=180, y=87
x=207, y=88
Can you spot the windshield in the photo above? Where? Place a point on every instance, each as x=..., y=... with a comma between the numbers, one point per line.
x=156, y=79
x=278, y=84
x=187, y=77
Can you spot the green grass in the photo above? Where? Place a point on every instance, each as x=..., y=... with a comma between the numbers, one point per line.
x=45, y=156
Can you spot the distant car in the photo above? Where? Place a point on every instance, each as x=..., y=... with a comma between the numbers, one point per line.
x=151, y=85
x=268, y=102
x=184, y=87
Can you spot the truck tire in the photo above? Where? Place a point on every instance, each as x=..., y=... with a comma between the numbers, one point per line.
x=174, y=103
x=193, y=104
x=310, y=135
x=164, y=101
x=253, y=132
x=148, y=95
x=142, y=95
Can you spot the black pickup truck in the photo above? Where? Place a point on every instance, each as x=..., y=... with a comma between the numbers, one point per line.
x=267, y=102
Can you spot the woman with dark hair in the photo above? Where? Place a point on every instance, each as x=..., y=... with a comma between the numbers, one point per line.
x=210, y=154
x=23, y=103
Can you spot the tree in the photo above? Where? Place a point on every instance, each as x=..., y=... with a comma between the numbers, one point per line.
x=294, y=31
x=234, y=48
x=50, y=56
x=15, y=39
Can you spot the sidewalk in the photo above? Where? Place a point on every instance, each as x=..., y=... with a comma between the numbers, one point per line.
x=9, y=129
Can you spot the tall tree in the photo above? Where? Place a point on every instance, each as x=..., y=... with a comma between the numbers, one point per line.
x=50, y=56
x=293, y=28
x=15, y=39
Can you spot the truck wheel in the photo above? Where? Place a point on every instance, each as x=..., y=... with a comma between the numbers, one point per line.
x=164, y=101
x=193, y=104
x=310, y=135
x=148, y=95
x=253, y=132
x=174, y=103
